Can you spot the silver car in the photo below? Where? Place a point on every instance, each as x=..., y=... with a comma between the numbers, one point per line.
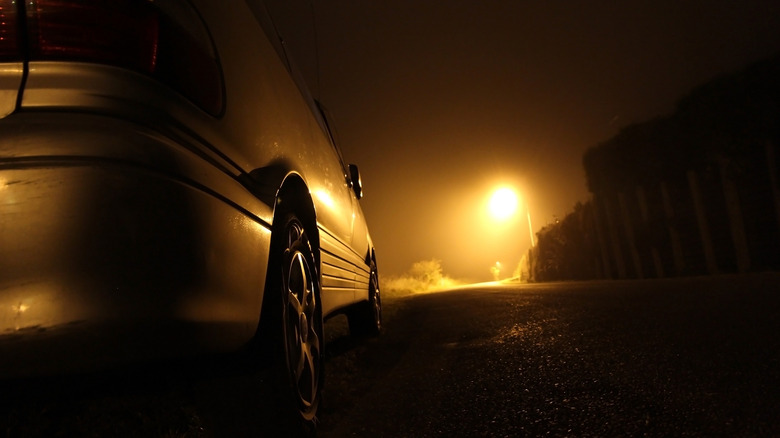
x=167, y=187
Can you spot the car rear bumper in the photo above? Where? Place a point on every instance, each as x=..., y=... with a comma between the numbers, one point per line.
x=140, y=250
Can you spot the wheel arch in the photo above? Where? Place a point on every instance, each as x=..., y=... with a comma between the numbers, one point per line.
x=371, y=258
x=286, y=191
x=294, y=197
x=291, y=197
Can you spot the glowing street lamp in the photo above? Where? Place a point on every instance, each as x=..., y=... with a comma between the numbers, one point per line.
x=503, y=204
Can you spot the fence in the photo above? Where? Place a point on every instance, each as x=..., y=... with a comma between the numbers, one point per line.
x=723, y=218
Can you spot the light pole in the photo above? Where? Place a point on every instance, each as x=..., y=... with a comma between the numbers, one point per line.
x=503, y=206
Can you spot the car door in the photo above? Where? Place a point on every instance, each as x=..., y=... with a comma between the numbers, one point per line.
x=342, y=263
x=360, y=237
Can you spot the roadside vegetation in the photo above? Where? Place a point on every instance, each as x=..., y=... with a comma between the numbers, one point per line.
x=423, y=277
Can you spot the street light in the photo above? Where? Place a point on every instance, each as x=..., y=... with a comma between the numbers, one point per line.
x=503, y=204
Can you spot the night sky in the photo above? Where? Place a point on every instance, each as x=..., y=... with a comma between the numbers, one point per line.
x=440, y=102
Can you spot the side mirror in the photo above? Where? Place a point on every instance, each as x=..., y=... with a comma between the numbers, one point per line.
x=354, y=177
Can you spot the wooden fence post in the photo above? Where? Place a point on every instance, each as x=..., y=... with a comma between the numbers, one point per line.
x=736, y=222
x=598, y=226
x=614, y=239
x=704, y=228
x=630, y=235
x=642, y=199
x=674, y=236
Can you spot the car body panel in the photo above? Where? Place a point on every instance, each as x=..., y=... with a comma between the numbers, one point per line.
x=340, y=269
x=88, y=239
x=126, y=211
x=10, y=81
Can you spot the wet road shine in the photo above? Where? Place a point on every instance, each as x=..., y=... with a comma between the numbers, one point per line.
x=693, y=357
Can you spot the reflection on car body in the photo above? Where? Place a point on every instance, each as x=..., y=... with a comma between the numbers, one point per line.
x=168, y=188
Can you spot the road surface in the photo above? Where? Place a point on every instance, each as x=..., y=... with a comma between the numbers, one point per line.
x=691, y=357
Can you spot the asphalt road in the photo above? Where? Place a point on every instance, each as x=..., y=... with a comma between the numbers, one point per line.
x=692, y=357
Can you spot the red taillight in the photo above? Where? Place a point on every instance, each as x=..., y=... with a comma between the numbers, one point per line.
x=9, y=39
x=165, y=39
x=118, y=32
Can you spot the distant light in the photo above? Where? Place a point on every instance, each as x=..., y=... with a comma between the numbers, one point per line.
x=503, y=203
x=21, y=308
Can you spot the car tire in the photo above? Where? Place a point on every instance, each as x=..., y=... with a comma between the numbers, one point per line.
x=296, y=320
x=365, y=319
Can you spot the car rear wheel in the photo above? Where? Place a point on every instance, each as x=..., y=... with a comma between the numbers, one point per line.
x=366, y=318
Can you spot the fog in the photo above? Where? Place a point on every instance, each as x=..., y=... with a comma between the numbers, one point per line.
x=439, y=105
